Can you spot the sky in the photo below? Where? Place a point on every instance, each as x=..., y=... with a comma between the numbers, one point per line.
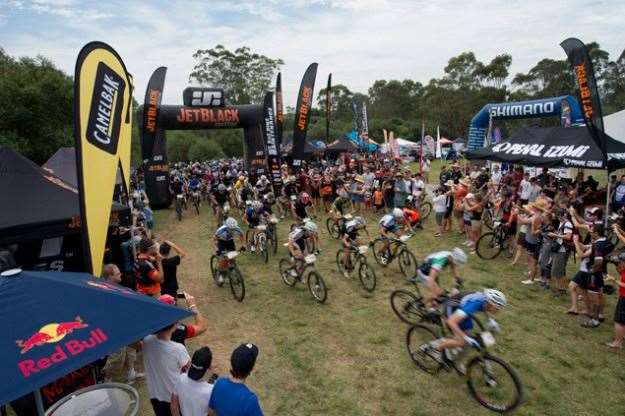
x=359, y=41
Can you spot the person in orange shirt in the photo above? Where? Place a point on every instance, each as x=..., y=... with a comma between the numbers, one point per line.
x=378, y=199
x=413, y=218
x=460, y=191
x=148, y=268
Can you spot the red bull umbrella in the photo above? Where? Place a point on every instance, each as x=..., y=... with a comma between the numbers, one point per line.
x=54, y=323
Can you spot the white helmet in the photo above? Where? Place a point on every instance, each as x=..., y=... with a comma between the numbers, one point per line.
x=458, y=256
x=398, y=213
x=360, y=221
x=495, y=298
x=296, y=234
x=257, y=205
x=310, y=226
x=231, y=223
x=263, y=177
x=221, y=187
x=248, y=203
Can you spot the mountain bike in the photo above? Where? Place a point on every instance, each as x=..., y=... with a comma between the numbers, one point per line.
x=179, y=204
x=491, y=244
x=231, y=272
x=294, y=270
x=259, y=241
x=357, y=261
x=410, y=308
x=195, y=198
x=385, y=250
x=488, y=215
x=272, y=234
x=335, y=225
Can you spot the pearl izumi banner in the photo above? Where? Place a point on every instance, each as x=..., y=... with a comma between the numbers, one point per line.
x=102, y=131
x=302, y=114
x=273, y=154
x=279, y=112
x=586, y=88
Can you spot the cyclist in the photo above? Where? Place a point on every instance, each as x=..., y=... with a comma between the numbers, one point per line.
x=224, y=242
x=253, y=215
x=312, y=234
x=434, y=264
x=390, y=224
x=263, y=185
x=351, y=239
x=460, y=320
x=194, y=186
x=269, y=200
x=413, y=218
x=298, y=208
x=341, y=205
x=296, y=245
x=220, y=197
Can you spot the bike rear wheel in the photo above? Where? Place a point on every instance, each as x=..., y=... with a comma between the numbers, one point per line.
x=285, y=267
x=214, y=263
x=381, y=256
x=417, y=337
x=333, y=228
x=237, y=284
x=408, y=307
x=407, y=263
x=488, y=246
x=317, y=287
x=425, y=209
x=274, y=240
x=487, y=219
x=494, y=384
x=367, y=277
x=261, y=246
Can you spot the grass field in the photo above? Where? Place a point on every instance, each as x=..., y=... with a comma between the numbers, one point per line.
x=348, y=357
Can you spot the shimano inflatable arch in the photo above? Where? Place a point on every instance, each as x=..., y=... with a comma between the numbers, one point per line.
x=203, y=108
x=565, y=107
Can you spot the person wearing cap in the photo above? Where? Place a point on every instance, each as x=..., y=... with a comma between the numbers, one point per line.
x=230, y=396
x=185, y=331
x=191, y=393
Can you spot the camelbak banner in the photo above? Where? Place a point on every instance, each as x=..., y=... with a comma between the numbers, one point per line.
x=279, y=112
x=586, y=88
x=273, y=154
x=102, y=131
x=328, y=107
x=302, y=114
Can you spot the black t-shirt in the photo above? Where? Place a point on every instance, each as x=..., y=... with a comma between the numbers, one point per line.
x=221, y=196
x=290, y=189
x=300, y=208
x=177, y=188
x=600, y=250
x=170, y=280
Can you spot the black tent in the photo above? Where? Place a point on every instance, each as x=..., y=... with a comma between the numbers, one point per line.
x=63, y=165
x=37, y=204
x=553, y=147
x=342, y=145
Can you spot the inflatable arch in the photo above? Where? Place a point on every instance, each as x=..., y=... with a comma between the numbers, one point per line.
x=203, y=108
x=565, y=107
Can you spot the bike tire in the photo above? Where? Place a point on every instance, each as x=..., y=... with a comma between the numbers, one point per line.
x=237, y=284
x=213, y=264
x=262, y=246
x=317, y=287
x=407, y=263
x=487, y=219
x=408, y=307
x=367, y=276
x=488, y=246
x=417, y=336
x=285, y=266
x=425, y=209
x=479, y=364
x=383, y=261
x=274, y=241
x=333, y=228
x=197, y=208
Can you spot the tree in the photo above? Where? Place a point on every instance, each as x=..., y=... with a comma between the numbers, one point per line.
x=614, y=85
x=341, y=100
x=205, y=150
x=395, y=98
x=245, y=76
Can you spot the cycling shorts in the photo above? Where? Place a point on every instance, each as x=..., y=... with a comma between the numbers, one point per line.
x=224, y=246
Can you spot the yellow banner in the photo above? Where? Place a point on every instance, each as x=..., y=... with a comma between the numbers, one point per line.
x=102, y=133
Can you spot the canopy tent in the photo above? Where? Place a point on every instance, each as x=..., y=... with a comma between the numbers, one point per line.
x=444, y=141
x=312, y=146
x=553, y=147
x=614, y=125
x=63, y=165
x=342, y=145
x=37, y=204
x=362, y=143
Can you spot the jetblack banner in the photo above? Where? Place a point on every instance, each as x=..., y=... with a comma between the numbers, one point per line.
x=255, y=158
x=587, y=91
x=302, y=114
x=328, y=107
x=279, y=112
x=273, y=154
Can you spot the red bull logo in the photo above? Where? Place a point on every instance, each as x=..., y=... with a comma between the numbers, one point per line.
x=54, y=333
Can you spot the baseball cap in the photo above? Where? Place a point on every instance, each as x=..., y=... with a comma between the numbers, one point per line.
x=200, y=363
x=243, y=358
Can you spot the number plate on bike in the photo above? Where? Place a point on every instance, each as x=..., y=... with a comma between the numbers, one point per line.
x=497, y=223
x=273, y=220
x=404, y=238
x=348, y=216
x=311, y=258
x=488, y=339
x=261, y=227
x=232, y=254
x=363, y=249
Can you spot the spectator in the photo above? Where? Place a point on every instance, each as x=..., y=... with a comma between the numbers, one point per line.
x=561, y=251
x=148, y=268
x=525, y=189
x=231, y=397
x=619, y=312
x=618, y=195
x=163, y=361
x=184, y=331
x=495, y=176
x=170, y=267
x=191, y=395
x=460, y=192
x=439, y=203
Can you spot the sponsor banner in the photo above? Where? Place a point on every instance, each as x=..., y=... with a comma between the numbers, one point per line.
x=255, y=159
x=355, y=122
x=102, y=132
x=328, y=107
x=365, y=122
x=175, y=117
x=203, y=97
x=279, y=112
x=273, y=154
x=302, y=114
x=587, y=91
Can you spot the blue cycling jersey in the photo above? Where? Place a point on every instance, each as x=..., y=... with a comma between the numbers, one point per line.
x=227, y=234
x=194, y=184
x=388, y=222
x=469, y=306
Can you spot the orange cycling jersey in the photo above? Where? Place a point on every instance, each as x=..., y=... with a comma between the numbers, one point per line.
x=411, y=215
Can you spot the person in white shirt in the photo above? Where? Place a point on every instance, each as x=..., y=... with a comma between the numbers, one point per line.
x=495, y=176
x=440, y=207
x=192, y=394
x=525, y=189
x=163, y=361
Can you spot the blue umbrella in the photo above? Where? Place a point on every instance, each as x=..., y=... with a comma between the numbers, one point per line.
x=53, y=323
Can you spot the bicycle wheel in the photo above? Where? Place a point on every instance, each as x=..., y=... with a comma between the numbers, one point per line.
x=407, y=263
x=237, y=284
x=367, y=277
x=274, y=240
x=317, y=286
x=416, y=339
x=196, y=202
x=333, y=228
x=408, y=307
x=488, y=246
x=380, y=255
x=214, y=262
x=487, y=219
x=425, y=209
x=286, y=274
x=179, y=211
x=494, y=384
x=261, y=247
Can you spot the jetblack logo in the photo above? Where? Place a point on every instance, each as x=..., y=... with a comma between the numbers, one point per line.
x=203, y=97
x=107, y=104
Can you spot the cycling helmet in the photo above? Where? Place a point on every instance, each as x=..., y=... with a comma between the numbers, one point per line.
x=296, y=234
x=257, y=205
x=458, y=256
x=231, y=223
x=360, y=221
x=221, y=187
x=304, y=197
x=495, y=298
x=270, y=197
x=397, y=213
x=263, y=177
x=310, y=226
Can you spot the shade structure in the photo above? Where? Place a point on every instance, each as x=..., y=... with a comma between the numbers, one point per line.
x=553, y=147
x=63, y=165
x=342, y=145
x=54, y=323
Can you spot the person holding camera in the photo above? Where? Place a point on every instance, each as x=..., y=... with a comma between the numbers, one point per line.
x=185, y=331
x=170, y=264
x=149, y=268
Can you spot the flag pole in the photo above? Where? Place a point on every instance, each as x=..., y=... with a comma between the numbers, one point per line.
x=421, y=155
